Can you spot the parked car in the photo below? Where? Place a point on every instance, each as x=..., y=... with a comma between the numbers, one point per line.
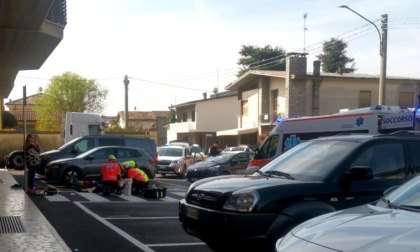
x=236, y=148
x=85, y=143
x=227, y=163
x=389, y=224
x=315, y=177
x=88, y=165
x=175, y=159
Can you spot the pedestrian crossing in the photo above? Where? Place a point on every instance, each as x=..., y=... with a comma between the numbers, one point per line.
x=72, y=196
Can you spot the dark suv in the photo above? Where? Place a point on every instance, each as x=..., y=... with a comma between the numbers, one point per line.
x=82, y=144
x=315, y=177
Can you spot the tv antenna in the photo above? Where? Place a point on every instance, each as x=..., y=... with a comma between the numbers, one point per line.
x=304, y=31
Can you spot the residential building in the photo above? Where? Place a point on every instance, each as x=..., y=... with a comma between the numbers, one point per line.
x=268, y=95
x=145, y=122
x=264, y=96
x=15, y=107
x=198, y=121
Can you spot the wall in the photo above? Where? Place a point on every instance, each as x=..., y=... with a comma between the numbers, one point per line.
x=338, y=94
x=217, y=114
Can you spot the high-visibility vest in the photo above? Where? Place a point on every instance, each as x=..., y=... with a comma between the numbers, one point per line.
x=110, y=171
x=137, y=175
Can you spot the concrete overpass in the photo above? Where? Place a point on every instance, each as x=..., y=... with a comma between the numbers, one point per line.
x=30, y=30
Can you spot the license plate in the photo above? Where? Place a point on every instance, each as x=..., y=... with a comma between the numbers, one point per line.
x=192, y=213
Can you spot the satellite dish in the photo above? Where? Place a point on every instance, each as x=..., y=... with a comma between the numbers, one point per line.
x=215, y=90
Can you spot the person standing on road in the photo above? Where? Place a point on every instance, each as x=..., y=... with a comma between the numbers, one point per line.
x=215, y=149
x=111, y=174
x=32, y=151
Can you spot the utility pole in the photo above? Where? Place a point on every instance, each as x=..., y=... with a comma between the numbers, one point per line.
x=382, y=77
x=382, y=52
x=126, y=82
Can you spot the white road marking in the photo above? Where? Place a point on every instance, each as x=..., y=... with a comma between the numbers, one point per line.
x=56, y=198
x=116, y=229
x=93, y=197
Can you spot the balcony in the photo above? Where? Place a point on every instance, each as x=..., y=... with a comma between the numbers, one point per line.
x=30, y=30
x=181, y=127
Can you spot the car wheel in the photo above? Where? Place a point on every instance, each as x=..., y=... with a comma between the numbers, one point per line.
x=70, y=174
x=16, y=161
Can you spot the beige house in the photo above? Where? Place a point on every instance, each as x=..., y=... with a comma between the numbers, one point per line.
x=198, y=121
x=264, y=96
x=267, y=95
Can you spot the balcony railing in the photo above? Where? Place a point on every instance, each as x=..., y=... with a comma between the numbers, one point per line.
x=58, y=13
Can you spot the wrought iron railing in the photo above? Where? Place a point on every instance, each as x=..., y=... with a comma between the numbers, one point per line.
x=58, y=13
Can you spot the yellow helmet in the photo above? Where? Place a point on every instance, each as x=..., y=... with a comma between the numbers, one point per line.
x=112, y=157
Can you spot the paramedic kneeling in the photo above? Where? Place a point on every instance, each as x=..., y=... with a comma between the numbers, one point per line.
x=111, y=174
x=140, y=179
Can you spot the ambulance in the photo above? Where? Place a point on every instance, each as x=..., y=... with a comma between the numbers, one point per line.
x=371, y=120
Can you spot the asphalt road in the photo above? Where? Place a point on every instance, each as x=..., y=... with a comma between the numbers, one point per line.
x=92, y=222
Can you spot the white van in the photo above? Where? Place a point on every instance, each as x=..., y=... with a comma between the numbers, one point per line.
x=292, y=131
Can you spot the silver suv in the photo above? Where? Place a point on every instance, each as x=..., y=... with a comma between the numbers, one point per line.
x=89, y=164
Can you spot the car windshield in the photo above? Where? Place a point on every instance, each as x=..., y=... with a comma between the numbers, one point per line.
x=170, y=152
x=309, y=161
x=407, y=196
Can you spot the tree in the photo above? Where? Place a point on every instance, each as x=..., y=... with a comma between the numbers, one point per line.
x=68, y=92
x=9, y=120
x=334, y=59
x=267, y=58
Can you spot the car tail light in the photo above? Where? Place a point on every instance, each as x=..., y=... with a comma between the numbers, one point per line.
x=156, y=158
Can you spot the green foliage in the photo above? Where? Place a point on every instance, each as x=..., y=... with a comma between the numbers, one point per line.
x=334, y=59
x=68, y=92
x=9, y=120
x=262, y=58
x=130, y=129
x=172, y=115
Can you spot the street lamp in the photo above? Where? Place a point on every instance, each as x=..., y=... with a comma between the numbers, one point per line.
x=382, y=52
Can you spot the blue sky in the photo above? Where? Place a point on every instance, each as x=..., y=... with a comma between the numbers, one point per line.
x=173, y=51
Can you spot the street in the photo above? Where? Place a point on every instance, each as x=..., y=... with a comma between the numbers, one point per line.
x=91, y=222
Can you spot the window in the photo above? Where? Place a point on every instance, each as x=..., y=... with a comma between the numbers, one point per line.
x=127, y=153
x=244, y=107
x=406, y=99
x=184, y=116
x=414, y=148
x=111, y=141
x=269, y=148
x=104, y=153
x=193, y=116
x=386, y=160
x=83, y=145
x=365, y=98
x=274, y=95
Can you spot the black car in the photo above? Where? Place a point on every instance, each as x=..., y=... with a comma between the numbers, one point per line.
x=227, y=163
x=315, y=177
x=88, y=166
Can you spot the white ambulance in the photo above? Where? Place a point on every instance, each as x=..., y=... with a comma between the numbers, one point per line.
x=372, y=120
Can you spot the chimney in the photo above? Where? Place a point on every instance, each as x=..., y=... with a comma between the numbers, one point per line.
x=317, y=68
x=296, y=64
x=204, y=95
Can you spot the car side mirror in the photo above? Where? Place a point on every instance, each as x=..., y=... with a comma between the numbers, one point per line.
x=359, y=173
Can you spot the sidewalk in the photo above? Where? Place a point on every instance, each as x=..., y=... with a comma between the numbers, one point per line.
x=22, y=226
